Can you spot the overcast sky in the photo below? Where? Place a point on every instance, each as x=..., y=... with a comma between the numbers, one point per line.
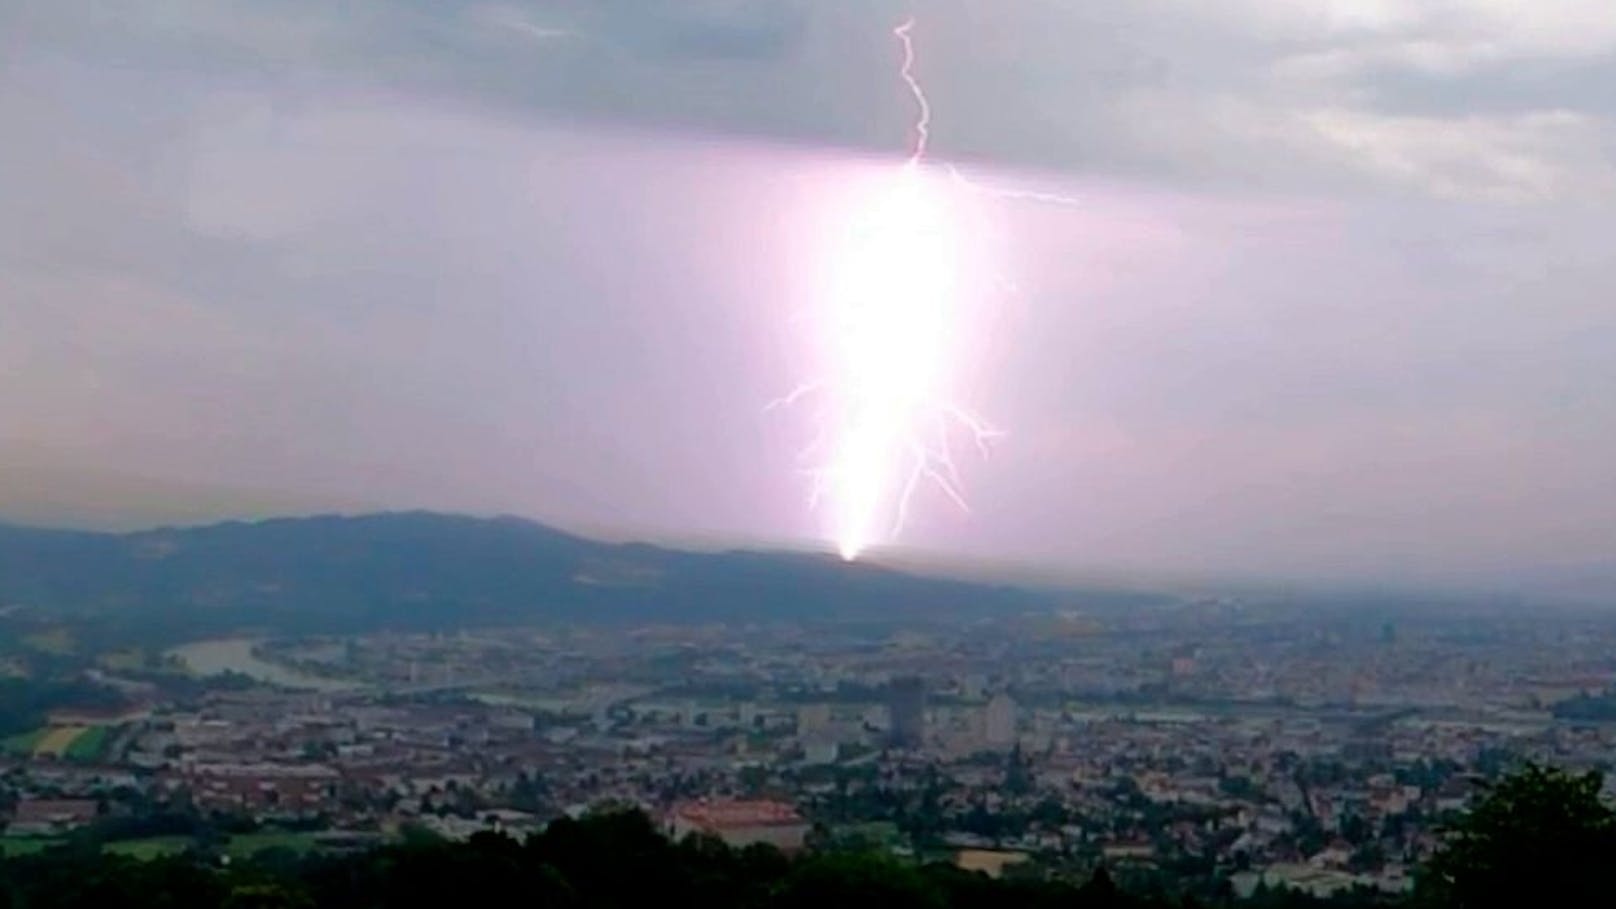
x=1334, y=303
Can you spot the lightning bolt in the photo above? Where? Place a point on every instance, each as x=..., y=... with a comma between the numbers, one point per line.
x=906, y=71
x=886, y=423
x=922, y=130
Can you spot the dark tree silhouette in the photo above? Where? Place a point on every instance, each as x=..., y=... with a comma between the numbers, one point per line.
x=1539, y=837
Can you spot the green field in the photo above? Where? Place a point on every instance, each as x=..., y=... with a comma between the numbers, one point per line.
x=246, y=845
x=242, y=846
x=13, y=846
x=24, y=743
x=151, y=847
x=75, y=743
x=90, y=745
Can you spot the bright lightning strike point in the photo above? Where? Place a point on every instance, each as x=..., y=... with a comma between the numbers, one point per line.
x=892, y=318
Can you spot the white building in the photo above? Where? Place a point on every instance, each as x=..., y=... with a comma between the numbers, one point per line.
x=999, y=721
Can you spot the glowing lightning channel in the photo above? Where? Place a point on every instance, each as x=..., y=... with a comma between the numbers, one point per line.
x=923, y=131
x=886, y=423
x=906, y=72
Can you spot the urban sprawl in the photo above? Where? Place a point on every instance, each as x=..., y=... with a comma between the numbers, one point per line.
x=1261, y=744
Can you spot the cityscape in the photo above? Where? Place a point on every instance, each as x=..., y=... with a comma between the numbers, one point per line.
x=1250, y=742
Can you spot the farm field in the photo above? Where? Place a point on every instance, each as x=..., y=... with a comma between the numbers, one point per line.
x=57, y=740
x=90, y=744
x=23, y=743
x=74, y=743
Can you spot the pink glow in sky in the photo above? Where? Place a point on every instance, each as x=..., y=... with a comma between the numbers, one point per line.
x=1323, y=312
x=892, y=326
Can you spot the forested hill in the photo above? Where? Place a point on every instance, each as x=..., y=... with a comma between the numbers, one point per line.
x=422, y=570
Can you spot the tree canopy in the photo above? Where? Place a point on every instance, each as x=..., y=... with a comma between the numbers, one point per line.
x=1539, y=836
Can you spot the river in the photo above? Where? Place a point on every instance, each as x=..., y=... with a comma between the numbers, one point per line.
x=222, y=655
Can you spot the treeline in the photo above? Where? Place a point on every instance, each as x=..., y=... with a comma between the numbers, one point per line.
x=26, y=703
x=616, y=859
x=1540, y=837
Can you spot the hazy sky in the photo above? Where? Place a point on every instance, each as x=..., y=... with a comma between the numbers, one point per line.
x=1335, y=303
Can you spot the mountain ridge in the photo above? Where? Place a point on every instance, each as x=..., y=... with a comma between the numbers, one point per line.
x=420, y=569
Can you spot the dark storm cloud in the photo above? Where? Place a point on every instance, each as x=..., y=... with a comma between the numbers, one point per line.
x=1330, y=93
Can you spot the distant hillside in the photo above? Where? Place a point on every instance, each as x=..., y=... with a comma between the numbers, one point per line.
x=422, y=570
